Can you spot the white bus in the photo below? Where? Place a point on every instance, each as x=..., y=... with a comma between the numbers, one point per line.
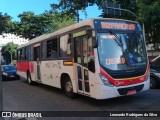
x=99, y=58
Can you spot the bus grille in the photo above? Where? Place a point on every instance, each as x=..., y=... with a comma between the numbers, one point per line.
x=123, y=91
x=124, y=74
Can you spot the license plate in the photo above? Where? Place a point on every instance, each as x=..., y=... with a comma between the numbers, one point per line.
x=131, y=92
x=12, y=76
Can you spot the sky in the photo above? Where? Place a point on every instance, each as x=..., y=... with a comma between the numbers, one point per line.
x=15, y=7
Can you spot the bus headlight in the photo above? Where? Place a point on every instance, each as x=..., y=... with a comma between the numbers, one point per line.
x=105, y=80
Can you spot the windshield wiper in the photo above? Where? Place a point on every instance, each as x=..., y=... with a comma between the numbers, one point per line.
x=118, y=40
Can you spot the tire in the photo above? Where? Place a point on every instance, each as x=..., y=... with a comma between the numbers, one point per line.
x=68, y=88
x=29, y=79
x=153, y=83
x=17, y=77
x=3, y=78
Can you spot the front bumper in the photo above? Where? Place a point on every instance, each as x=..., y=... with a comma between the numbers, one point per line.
x=10, y=76
x=105, y=92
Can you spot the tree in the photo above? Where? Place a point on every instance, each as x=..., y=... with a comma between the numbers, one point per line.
x=31, y=25
x=71, y=7
x=59, y=21
x=149, y=12
x=125, y=4
x=10, y=47
x=5, y=23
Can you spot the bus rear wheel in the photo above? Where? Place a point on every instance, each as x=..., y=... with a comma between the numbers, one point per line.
x=68, y=87
x=29, y=79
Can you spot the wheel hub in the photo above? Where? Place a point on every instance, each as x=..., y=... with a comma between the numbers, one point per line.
x=68, y=86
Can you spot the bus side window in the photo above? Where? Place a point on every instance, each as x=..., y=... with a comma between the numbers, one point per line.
x=31, y=47
x=52, y=48
x=49, y=48
x=22, y=54
x=27, y=53
x=43, y=50
x=19, y=54
x=65, y=46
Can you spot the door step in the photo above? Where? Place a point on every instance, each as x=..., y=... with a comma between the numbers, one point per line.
x=39, y=81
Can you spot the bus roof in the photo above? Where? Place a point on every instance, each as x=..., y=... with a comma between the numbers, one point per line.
x=75, y=26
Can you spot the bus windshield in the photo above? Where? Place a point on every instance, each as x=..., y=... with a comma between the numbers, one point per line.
x=121, y=51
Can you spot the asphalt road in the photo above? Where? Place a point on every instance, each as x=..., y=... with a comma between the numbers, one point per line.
x=17, y=95
x=0, y=86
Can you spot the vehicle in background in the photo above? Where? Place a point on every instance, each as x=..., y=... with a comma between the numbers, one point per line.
x=155, y=72
x=9, y=72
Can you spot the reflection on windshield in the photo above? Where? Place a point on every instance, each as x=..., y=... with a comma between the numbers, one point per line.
x=129, y=54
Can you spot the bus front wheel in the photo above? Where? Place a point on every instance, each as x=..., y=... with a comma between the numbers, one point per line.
x=68, y=87
x=153, y=83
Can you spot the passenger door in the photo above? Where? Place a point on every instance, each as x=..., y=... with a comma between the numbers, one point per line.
x=37, y=62
x=81, y=58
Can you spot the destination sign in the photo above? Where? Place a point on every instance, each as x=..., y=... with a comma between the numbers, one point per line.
x=119, y=25
x=116, y=25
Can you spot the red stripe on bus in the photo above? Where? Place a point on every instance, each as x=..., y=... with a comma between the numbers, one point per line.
x=125, y=81
x=24, y=66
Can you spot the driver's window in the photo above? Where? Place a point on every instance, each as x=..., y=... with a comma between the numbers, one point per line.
x=91, y=59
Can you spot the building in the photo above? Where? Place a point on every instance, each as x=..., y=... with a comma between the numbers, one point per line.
x=6, y=38
x=151, y=51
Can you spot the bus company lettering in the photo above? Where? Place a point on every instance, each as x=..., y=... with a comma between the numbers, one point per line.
x=53, y=65
x=142, y=78
x=121, y=26
x=111, y=61
x=119, y=83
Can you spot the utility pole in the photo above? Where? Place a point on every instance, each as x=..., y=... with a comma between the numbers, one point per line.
x=77, y=16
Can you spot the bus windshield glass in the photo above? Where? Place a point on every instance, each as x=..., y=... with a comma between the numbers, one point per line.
x=121, y=50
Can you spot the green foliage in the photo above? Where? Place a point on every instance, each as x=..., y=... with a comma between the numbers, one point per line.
x=31, y=25
x=125, y=4
x=10, y=47
x=71, y=7
x=65, y=12
x=5, y=23
x=59, y=21
x=149, y=12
